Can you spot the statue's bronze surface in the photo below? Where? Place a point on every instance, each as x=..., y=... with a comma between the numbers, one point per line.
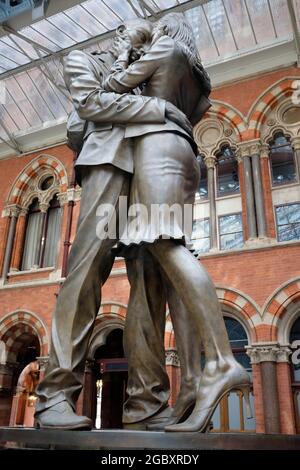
x=140, y=146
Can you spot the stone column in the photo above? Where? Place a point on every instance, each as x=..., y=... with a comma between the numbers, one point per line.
x=173, y=370
x=43, y=207
x=13, y=213
x=267, y=191
x=89, y=397
x=265, y=354
x=255, y=148
x=19, y=241
x=285, y=391
x=210, y=163
x=296, y=147
x=244, y=154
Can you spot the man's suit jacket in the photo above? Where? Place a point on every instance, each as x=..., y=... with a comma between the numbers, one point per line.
x=166, y=73
x=107, y=113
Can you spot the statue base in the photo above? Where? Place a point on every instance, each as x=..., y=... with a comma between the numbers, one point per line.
x=115, y=439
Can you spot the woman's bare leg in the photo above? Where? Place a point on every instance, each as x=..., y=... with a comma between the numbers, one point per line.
x=198, y=294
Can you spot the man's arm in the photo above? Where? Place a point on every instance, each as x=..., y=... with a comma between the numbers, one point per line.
x=95, y=104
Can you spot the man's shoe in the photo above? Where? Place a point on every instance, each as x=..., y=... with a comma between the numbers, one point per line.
x=159, y=420
x=61, y=416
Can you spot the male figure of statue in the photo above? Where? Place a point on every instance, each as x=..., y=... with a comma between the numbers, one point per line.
x=104, y=168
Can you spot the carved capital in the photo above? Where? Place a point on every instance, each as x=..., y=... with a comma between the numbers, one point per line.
x=268, y=352
x=62, y=198
x=249, y=148
x=210, y=161
x=296, y=142
x=11, y=210
x=172, y=358
x=44, y=206
x=283, y=355
x=265, y=151
x=23, y=212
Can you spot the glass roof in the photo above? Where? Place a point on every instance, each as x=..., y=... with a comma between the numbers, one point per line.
x=30, y=59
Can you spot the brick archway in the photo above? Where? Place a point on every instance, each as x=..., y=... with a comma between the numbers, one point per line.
x=42, y=162
x=112, y=307
x=244, y=309
x=225, y=112
x=278, y=305
x=17, y=323
x=267, y=101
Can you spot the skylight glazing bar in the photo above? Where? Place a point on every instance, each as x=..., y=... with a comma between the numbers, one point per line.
x=29, y=40
x=68, y=27
x=250, y=21
x=210, y=30
x=138, y=13
x=23, y=90
x=230, y=26
x=113, y=11
x=95, y=17
x=12, y=143
x=20, y=114
x=41, y=96
x=272, y=18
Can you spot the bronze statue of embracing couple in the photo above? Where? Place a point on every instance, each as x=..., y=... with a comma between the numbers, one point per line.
x=139, y=145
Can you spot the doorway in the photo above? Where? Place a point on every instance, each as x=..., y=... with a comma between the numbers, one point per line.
x=111, y=381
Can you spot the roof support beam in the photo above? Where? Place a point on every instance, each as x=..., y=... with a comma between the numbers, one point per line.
x=177, y=8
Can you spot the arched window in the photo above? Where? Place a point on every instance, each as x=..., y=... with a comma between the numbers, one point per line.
x=295, y=344
x=227, y=172
x=230, y=414
x=42, y=235
x=282, y=160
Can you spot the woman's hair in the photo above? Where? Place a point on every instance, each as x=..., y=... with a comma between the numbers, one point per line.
x=178, y=28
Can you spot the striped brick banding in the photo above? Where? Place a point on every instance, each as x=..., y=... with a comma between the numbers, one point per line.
x=268, y=101
x=225, y=112
x=31, y=171
x=18, y=326
x=278, y=305
x=111, y=307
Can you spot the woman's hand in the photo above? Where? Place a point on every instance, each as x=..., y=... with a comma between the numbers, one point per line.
x=121, y=47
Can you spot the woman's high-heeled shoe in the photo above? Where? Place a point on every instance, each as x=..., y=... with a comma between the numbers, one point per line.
x=183, y=407
x=211, y=392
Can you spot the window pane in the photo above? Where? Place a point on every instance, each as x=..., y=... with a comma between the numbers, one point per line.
x=232, y=241
x=52, y=237
x=202, y=191
x=288, y=222
x=227, y=172
x=32, y=241
x=200, y=228
x=202, y=245
x=234, y=411
x=236, y=333
x=216, y=418
x=200, y=235
x=282, y=161
x=230, y=223
x=249, y=423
